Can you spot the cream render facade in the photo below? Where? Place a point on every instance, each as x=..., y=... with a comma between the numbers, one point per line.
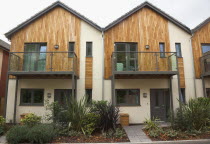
x=101, y=87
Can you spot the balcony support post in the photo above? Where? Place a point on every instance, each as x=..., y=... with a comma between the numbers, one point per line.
x=15, y=102
x=171, y=98
x=5, y=98
x=73, y=85
x=113, y=90
x=204, y=86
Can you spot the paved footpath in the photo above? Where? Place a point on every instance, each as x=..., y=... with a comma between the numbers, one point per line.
x=136, y=134
x=3, y=140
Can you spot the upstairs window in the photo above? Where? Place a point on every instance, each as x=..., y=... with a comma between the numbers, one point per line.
x=71, y=49
x=205, y=48
x=178, y=49
x=89, y=49
x=162, y=49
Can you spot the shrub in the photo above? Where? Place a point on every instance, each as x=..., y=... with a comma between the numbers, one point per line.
x=31, y=120
x=151, y=125
x=41, y=133
x=119, y=133
x=155, y=132
x=17, y=134
x=2, y=121
x=90, y=123
x=195, y=115
x=171, y=133
x=108, y=113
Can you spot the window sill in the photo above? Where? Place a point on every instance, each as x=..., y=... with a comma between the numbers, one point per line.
x=36, y=105
x=89, y=56
x=128, y=105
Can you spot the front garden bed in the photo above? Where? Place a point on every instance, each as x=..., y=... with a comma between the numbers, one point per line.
x=180, y=136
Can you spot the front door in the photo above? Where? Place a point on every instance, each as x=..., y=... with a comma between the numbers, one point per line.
x=62, y=96
x=126, y=56
x=159, y=103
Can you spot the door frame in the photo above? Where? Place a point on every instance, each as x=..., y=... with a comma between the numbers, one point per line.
x=164, y=100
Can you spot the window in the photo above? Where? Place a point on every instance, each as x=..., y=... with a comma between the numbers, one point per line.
x=89, y=49
x=34, y=56
x=71, y=49
x=128, y=97
x=162, y=49
x=32, y=97
x=178, y=49
x=183, y=100
x=89, y=95
x=208, y=92
x=205, y=48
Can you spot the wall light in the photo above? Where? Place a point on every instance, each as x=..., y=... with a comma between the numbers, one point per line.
x=56, y=46
x=147, y=46
x=145, y=95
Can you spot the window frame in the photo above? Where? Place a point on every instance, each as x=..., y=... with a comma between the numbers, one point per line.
x=70, y=52
x=127, y=91
x=89, y=55
x=180, y=47
x=32, y=97
x=204, y=44
x=162, y=54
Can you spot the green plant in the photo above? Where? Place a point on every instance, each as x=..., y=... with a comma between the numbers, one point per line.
x=2, y=121
x=171, y=133
x=42, y=133
x=151, y=124
x=17, y=134
x=1, y=130
x=108, y=113
x=155, y=132
x=31, y=120
x=74, y=133
x=195, y=115
x=90, y=123
x=119, y=133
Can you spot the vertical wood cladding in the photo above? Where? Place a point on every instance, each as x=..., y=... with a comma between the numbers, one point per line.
x=89, y=73
x=199, y=37
x=3, y=80
x=57, y=27
x=181, y=72
x=145, y=27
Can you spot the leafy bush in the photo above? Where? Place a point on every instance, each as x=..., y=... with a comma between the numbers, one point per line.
x=17, y=134
x=90, y=123
x=1, y=130
x=119, y=133
x=155, y=132
x=2, y=121
x=41, y=133
x=31, y=120
x=108, y=113
x=195, y=115
x=151, y=125
x=171, y=133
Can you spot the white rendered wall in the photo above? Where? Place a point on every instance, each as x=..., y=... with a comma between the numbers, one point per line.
x=177, y=35
x=90, y=34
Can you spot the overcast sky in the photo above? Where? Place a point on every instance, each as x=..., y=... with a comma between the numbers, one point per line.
x=102, y=12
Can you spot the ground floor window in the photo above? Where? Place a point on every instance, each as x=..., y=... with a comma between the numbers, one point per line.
x=32, y=97
x=88, y=93
x=183, y=99
x=127, y=97
x=208, y=92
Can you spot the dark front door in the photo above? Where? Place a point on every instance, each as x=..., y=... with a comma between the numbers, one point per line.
x=62, y=96
x=159, y=103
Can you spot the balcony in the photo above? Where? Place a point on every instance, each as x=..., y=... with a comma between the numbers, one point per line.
x=42, y=63
x=205, y=64
x=144, y=64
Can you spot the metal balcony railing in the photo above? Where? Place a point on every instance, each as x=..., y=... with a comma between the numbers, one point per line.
x=144, y=61
x=42, y=62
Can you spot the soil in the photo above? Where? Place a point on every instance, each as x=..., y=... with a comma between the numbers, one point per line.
x=181, y=136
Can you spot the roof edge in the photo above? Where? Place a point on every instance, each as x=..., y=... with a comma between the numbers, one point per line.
x=202, y=24
x=4, y=45
x=144, y=4
x=47, y=9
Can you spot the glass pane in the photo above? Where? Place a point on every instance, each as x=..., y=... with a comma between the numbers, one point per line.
x=133, y=47
x=178, y=49
x=89, y=49
x=38, y=96
x=89, y=95
x=208, y=92
x=121, y=61
x=26, y=96
x=120, y=47
x=71, y=49
x=162, y=49
x=205, y=48
x=127, y=97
